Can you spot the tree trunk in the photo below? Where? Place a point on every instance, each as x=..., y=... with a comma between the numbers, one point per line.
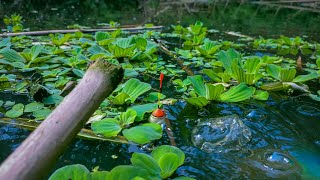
x=35, y=157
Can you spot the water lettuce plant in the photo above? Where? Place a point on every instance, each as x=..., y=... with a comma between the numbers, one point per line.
x=13, y=23
x=207, y=92
x=160, y=164
x=130, y=91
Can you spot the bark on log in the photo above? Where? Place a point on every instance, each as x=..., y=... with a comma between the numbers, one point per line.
x=35, y=157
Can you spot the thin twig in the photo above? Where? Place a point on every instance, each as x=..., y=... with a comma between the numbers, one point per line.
x=169, y=132
x=45, y=32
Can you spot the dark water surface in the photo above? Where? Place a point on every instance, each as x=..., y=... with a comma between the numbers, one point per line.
x=285, y=132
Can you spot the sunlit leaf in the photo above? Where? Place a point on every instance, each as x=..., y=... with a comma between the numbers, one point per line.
x=134, y=88
x=145, y=161
x=261, y=95
x=198, y=101
x=15, y=111
x=124, y=172
x=142, y=109
x=74, y=172
x=144, y=133
x=34, y=106
x=99, y=36
x=42, y=113
x=120, y=99
x=108, y=127
x=99, y=175
x=237, y=93
x=159, y=151
x=227, y=57
x=127, y=117
x=169, y=159
x=213, y=91
x=304, y=78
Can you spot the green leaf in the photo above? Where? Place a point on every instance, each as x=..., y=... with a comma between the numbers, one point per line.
x=213, y=91
x=252, y=65
x=168, y=164
x=142, y=109
x=314, y=97
x=141, y=43
x=127, y=172
x=274, y=71
x=42, y=113
x=99, y=36
x=74, y=172
x=108, y=127
x=198, y=84
x=15, y=111
x=169, y=159
x=227, y=57
x=287, y=75
x=35, y=51
x=134, y=88
x=96, y=49
x=198, y=101
x=53, y=99
x=9, y=103
x=34, y=106
x=159, y=151
x=78, y=72
x=130, y=73
x=237, y=93
x=261, y=95
x=153, y=97
x=124, y=42
x=143, y=134
x=99, y=175
x=127, y=117
x=304, y=78
x=120, y=99
x=146, y=162
x=212, y=75
x=5, y=42
x=1, y=103
x=11, y=55
x=273, y=86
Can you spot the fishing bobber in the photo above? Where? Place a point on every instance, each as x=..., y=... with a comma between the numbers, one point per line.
x=158, y=116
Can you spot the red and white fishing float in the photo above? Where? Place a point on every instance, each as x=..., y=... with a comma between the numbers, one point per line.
x=158, y=115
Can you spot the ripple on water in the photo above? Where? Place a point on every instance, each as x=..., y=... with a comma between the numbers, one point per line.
x=255, y=114
x=272, y=164
x=221, y=134
x=308, y=110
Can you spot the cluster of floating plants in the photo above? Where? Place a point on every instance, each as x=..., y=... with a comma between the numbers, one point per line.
x=161, y=164
x=45, y=68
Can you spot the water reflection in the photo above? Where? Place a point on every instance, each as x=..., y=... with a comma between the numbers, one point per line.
x=284, y=141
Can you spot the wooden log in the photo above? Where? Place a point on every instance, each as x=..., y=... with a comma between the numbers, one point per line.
x=63, y=31
x=35, y=157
